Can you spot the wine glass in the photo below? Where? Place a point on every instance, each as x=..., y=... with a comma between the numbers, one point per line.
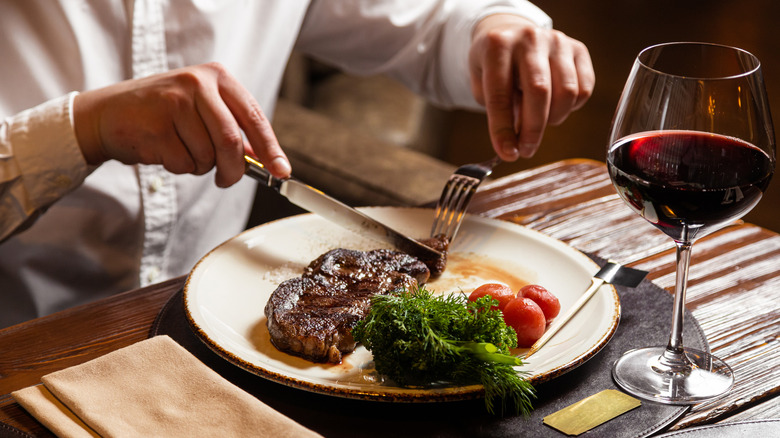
x=691, y=149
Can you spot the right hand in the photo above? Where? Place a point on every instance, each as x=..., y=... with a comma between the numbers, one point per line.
x=189, y=120
x=527, y=78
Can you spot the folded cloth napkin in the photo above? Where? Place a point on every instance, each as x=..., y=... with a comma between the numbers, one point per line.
x=154, y=388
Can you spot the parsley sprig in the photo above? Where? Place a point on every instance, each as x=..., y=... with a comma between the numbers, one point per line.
x=418, y=339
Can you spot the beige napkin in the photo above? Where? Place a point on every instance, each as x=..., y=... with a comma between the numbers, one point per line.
x=154, y=388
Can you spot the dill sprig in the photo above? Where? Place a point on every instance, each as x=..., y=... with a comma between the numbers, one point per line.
x=418, y=339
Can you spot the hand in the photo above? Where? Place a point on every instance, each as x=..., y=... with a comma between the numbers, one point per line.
x=189, y=120
x=527, y=78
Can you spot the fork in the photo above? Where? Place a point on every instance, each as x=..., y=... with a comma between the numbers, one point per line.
x=455, y=197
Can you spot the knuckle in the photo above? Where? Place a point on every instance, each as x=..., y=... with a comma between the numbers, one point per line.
x=179, y=166
x=197, y=78
x=557, y=37
x=538, y=85
x=188, y=79
x=204, y=162
x=587, y=85
x=216, y=67
x=502, y=133
x=585, y=94
x=230, y=139
x=534, y=34
x=174, y=99
x=579, y=46
x=558, y=116
x=569, y=91
x=201, y=170
x=217, y=71
x=527, y=35
x=533, y=132
x=498, y=38
x=531, y=37
x=256, y=115
x=499, y=99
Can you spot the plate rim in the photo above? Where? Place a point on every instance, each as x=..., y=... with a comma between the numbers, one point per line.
x=398, y=394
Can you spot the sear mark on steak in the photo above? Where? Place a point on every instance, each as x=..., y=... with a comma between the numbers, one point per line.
x=312, y=316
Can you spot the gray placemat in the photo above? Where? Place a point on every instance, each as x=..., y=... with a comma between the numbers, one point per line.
x=645, y=319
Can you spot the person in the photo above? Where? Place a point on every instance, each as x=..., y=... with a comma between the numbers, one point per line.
x=125, y=121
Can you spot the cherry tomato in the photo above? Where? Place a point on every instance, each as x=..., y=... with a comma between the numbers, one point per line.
x=527, y=318
x=544, y=298
x=500, y=292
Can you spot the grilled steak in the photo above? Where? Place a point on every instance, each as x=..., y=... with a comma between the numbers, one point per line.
x=441, y=244
x=312, y=316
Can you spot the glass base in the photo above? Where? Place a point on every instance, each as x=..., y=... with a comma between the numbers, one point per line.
x=655, y=374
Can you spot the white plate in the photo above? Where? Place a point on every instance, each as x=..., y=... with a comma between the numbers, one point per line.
x=227, y=290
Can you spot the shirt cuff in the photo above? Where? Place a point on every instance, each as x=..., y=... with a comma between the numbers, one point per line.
x=48, y=157
x=458, y=32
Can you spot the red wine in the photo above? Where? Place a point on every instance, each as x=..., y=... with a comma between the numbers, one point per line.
x=688, y=183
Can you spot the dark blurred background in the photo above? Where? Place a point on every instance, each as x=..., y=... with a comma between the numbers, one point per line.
x=614, y=31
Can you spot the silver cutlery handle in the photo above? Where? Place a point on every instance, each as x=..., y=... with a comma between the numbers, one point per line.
x=595, y=284
x=257, y=171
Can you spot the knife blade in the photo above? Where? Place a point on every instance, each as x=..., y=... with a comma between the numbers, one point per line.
x=317, y=202
x=612, y=273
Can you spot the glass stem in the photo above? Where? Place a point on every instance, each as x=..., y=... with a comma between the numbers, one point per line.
x=673, y=357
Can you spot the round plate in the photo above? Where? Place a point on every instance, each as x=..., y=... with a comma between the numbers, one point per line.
x=226, y=293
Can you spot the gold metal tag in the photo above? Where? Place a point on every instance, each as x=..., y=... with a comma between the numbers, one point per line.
x=592, y=411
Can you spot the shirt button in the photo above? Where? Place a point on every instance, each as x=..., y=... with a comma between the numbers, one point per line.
x=155, y=184
x=153, y=274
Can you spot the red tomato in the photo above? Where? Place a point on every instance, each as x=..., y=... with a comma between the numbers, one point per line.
x=544, y=298
x=501, y=292
x=527, y=318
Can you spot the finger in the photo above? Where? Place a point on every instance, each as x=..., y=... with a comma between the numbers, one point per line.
x=497, y=85
x=192, y=132
x=586, y=74
x=257, y=127
x=174, y=156
x=476, y=88
x=565, y=84
x=475, y=74
x=535, y=85
x=249, y=151
x=225, y=135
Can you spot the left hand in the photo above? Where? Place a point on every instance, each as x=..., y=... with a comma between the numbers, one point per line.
x=526, y=77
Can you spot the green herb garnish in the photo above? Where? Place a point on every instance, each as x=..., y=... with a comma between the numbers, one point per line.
x=418, y=339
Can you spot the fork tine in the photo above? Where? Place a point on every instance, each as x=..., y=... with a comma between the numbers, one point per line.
x=458, y=207
x=447, y=204
x=467, y=191
x=444, y=207
x=456, y=195
x=452, y=205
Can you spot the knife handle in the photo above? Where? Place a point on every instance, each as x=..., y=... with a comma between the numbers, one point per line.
x=256, y=170
x=595, y=284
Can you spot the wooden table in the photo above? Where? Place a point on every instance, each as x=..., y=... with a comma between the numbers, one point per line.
x=733, y=292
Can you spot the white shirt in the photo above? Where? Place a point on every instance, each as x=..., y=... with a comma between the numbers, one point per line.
x=96, y=232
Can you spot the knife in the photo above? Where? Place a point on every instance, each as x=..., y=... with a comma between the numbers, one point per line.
x=611, y=272
x=317, y=202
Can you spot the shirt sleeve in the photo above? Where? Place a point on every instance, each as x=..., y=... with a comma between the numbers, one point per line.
x=423, y=44
x=40, y=161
